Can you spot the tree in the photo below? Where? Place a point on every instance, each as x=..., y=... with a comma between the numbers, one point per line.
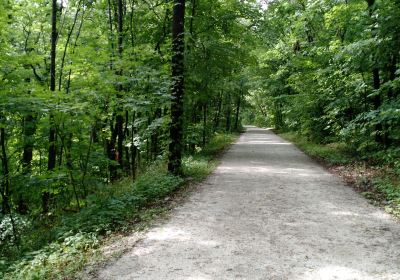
x=177, y=68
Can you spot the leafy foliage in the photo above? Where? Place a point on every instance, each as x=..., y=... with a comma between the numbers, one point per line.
x=329, y=71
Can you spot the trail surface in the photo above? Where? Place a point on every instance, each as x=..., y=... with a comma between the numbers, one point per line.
x=267, y=212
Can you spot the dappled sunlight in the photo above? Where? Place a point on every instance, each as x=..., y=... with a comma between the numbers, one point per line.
x=208, y=243
x=199, y=277
x=168, y=233
x=263, y=143
x=344, y=213
x=334, y=272
x=250, y=169
x=253, y=169
x=176, y=234
x=380, y=215
x=143, y=251
x=377, y=215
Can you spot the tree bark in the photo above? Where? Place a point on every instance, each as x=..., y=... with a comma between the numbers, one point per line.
x=176, y=126
x=205, y=106
x=228, y=114
x=218, y=113
x=52, y=134
x=377, y=99
x=5, y=183
x=236, y=127
x=115, y=148
x=52, y=151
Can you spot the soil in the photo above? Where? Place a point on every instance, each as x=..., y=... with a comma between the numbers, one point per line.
x=267, y=212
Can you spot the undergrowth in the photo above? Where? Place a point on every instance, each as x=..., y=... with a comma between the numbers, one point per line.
x=200, y=164
x=332, y=153
x=71, y=241
x=376, y=179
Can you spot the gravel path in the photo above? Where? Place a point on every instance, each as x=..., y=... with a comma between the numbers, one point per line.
x=267, y=212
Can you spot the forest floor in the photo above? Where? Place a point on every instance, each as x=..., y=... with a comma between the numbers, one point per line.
x=267, y=212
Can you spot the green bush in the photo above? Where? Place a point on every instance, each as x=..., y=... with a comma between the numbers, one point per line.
x=197, y=167
x=153, y=186
x=70, y=237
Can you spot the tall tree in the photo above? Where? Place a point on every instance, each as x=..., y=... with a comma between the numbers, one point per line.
x=178, y=49
x=52, y=150
x=52, y=135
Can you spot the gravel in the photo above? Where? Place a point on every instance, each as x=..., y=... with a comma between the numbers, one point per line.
x=267, y=212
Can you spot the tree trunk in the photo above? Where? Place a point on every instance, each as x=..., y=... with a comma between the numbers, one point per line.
x=120, y=119
x=115, y=148
x=29, y=131
x=218, y=113
x=236, y=127
x=204, y=124
x=52, y=135
x=377, y=99
x=133, y=148
x=228, y=114
x=5, y=183
x=155, y=137
x=51, y=163
x=176, y=126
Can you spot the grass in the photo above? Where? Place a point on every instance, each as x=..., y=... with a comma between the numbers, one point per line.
x=201, y=164
x=122, y=207
x=332, y=153
x=379, y=184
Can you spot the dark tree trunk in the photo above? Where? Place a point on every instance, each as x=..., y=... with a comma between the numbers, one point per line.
x=111, y=36
x=377, y=99
x=204, y=124
x=5, y=182
x=218, y=113
x=120, y=118
x=52, y=134
x=29, y=131
x=51, y=163
x=115, y=148
x=392, y=76
x=228, y=114
x=236, y=127
x=176, y=126
x=278, y=117
x=155, y=137
x=133, y=148
x=377, y=84
x=120, y=141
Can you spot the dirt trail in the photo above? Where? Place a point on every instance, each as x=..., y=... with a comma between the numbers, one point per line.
x=267, y=212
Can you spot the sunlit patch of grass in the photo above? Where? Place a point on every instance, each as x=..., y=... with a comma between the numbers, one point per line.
x=197, y=168
x=203, y=162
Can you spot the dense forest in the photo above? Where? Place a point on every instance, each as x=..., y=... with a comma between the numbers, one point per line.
x=329, y=69
x=99, y=95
